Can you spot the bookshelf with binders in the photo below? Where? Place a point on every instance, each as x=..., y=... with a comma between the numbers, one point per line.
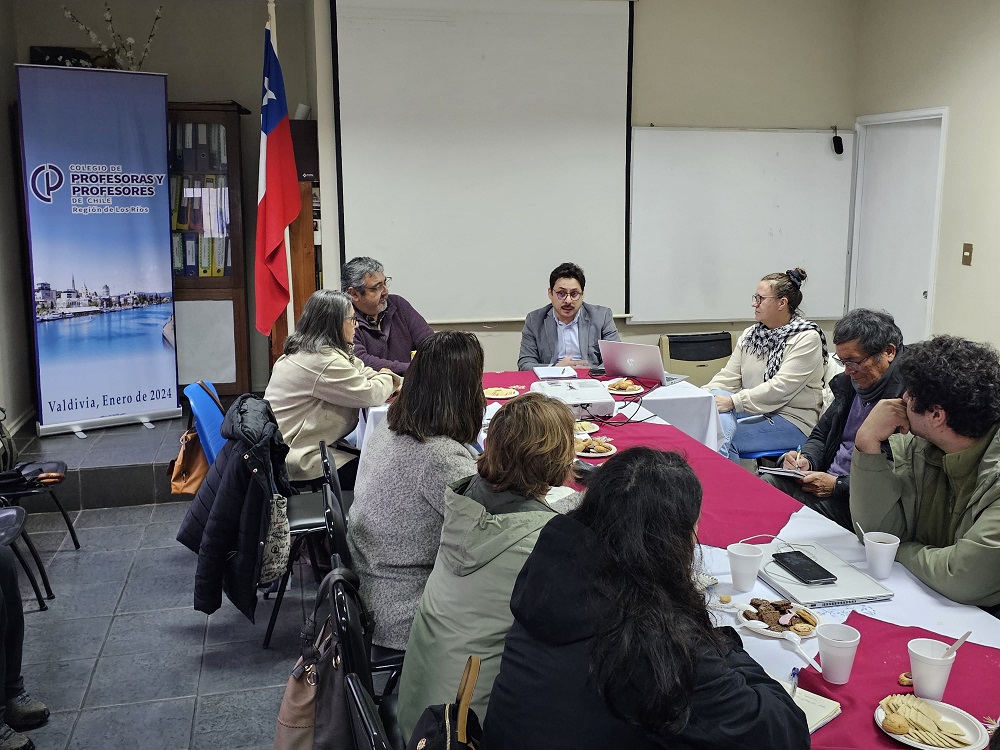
x=207, y=244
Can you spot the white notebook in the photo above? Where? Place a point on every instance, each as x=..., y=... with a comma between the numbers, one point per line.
x=851, y=587
x=819, y=711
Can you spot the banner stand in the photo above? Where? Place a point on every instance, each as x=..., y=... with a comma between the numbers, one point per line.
x=98, y=212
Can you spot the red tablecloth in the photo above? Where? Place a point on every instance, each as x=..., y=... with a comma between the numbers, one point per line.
x=974, y=684
x=736, y=504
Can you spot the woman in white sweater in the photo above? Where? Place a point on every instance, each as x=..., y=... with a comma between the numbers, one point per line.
x=318, y=385
x=770, y=392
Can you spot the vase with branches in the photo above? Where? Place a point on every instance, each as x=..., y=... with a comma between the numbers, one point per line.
x=122, y=49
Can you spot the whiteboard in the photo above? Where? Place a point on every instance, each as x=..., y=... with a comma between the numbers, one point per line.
x=713, y=211
x=484, y=143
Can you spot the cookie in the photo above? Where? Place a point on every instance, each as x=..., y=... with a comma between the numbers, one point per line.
x=905, y=679
x=802, y=628
x=895, y=724
x=806, y=617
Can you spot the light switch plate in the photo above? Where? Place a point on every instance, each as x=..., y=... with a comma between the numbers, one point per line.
x=967, y=254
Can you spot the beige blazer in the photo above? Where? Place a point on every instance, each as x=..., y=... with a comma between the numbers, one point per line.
x=316, y=397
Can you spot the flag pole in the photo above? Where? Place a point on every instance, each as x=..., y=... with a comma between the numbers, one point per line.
x=290, y=308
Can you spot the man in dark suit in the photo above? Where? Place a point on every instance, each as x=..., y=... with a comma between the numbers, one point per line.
x=566, y=332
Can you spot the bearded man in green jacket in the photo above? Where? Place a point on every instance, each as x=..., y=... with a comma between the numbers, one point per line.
x=941, y=493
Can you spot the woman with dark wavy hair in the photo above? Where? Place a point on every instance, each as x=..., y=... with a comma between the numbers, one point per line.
x=612, y=645
x=770, y=392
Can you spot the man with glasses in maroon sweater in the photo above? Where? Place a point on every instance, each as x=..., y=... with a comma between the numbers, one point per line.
x=388, y=326
x=566, y=332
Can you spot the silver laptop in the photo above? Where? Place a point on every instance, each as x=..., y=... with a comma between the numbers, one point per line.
x=852, y=586
x=623, y=360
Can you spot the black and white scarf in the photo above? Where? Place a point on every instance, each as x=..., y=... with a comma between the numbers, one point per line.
x=769, y=343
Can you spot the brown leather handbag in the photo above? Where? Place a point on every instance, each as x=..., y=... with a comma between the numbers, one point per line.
x=188, y=470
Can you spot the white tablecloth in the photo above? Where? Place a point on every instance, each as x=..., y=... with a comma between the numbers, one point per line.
x=913, y=603
x=688, y=408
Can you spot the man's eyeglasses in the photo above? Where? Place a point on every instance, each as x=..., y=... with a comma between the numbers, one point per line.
x=379, y=287
x=851, y=364
x=574, y=295
x=756, y=299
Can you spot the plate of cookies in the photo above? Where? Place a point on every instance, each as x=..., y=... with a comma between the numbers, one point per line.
x=500, y=393
x=584, y=427
x=622, y=386
x=594, y=447
x=928, y=724
x=780, y=615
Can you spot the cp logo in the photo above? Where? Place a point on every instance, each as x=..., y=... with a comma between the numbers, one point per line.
x=46, y=180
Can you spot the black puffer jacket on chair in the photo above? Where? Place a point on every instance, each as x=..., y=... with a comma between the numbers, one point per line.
x=228, y=519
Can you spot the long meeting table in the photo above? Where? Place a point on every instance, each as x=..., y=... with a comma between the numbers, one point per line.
x=737, y=505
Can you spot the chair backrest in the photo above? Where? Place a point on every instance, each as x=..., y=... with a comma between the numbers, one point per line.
x=208, y=415
x=331, y=476
x=350, y=618
x=336, y=525
x=8, y=450
x=698, y=355
x=369, y=733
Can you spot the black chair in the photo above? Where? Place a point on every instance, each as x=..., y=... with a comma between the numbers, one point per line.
x=354, y=631
x=306, y=516
x=8, y=462
x=331, y=476
x=698, y=355
x=366, y=724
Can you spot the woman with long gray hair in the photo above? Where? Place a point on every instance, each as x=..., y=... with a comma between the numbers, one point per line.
x=318, y=385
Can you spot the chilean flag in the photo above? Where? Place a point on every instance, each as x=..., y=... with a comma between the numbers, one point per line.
x=278, y=201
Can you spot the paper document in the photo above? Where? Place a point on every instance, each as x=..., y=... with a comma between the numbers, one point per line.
x=548, y=373
x=794, y=473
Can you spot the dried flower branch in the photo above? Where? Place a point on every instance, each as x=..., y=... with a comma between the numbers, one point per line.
x=123, y=49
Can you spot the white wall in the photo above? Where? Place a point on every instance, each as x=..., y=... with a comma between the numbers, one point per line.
x=726, y=63
x=16, y=383
x=922, y=53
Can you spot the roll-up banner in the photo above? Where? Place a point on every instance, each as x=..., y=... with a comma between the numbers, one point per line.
x=94, y=150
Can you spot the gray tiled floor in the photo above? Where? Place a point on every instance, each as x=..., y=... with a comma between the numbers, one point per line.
x=124, y=661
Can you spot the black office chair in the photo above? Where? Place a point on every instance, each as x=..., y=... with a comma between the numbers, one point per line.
x=366, y=724
x=354, y=630
x=332, y=477
x=698, y=355
x=306, y=516
x=9, y=462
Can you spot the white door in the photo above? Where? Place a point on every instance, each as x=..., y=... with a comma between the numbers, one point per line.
x=897, y=205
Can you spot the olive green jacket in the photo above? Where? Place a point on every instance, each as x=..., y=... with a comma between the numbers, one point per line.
x=888, y=497
x=465, y=609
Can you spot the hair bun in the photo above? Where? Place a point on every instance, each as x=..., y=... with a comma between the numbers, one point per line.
x=796, y=276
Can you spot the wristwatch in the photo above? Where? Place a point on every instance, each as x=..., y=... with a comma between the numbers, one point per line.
x=838, y=484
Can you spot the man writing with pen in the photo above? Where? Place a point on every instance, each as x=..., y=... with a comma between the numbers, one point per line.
x=867, y=342
x=566, y=332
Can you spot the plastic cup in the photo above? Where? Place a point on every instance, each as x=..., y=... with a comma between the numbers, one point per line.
x=744, y=562
x=838, y=645
x=880, y=549
x=930, y=672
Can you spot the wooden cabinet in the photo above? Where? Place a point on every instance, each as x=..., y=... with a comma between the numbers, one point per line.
x=207, y=244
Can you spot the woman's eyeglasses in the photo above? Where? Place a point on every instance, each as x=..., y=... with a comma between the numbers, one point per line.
x=756, y=299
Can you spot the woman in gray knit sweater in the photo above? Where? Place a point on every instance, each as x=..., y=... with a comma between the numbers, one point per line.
x=395, y=521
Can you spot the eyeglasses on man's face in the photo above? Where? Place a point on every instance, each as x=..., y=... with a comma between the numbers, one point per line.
x=756, y=299
x=380, y=287
x=574, y=295
x=851, y=364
